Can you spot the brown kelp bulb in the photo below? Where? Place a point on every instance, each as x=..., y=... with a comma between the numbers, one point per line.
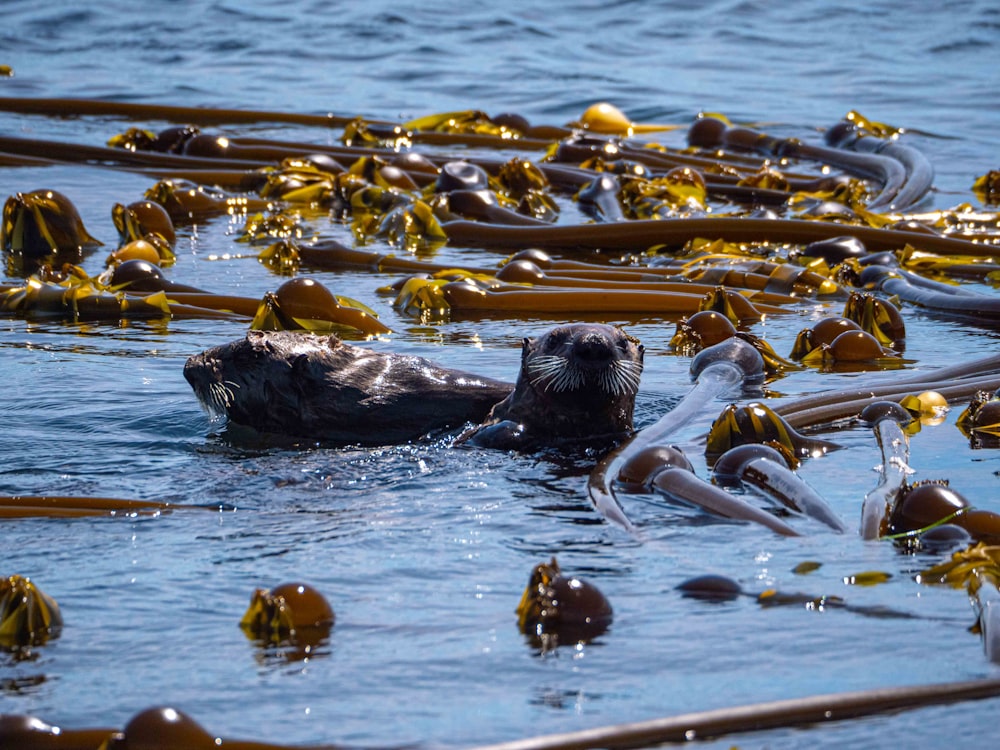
x=604, y=117
x=512, y=121
x=303, y=297
x=878, y=316
x=212, y=146
x=987, y=416
x=461, y=175
x=539, y=257
x=43, y=222
x=758, y=423
x=931, y=408
x=309, y=607
x=706, y=132
x=983, y=525
x=733, y=351
x=28, y=616
x=922, y=505
x=471, y=202
x=732, y=304
x=151, y=217
x=395, y=177
x=520, y=272
x=21, y=732
x=579, y=602
x=555, y=607
x=856, y=346
x=414, y=162
x=164, y=728
x=641, y=468
x=877, y=411
x=171, y=140
x=731, y=464
x=836, y=249
x=710, y=588
x=138, y=276
x=711, y=327
x=293, y=613
x=826, y=330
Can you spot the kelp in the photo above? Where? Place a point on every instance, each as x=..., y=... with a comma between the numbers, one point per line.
x=294, y=616
x=742, y=223
x=666, y=471
x=559, y=609
x=154, y=727
x=729, y=366
x=28, y=616
x=888, y=420
x=770, y=472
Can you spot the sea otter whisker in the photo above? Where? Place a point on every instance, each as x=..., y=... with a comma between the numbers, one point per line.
x=569, y=379
x=554, y=373
x=623, y=377
x=217, y=397
x=557, y=374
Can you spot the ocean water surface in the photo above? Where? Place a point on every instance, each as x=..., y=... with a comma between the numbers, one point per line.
x=424, y=549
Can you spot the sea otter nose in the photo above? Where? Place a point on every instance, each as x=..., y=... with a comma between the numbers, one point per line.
x=592, y=347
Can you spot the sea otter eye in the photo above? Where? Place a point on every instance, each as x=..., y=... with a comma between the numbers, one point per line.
x=556, y=339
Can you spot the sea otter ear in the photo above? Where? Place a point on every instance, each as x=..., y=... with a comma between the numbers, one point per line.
x=300, y=365
x=526, y=346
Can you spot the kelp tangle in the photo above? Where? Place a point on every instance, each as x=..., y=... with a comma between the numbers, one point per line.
x=730, y=227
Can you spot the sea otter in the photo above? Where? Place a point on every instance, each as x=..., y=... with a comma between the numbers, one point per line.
x=576, y=382
x=318, y=387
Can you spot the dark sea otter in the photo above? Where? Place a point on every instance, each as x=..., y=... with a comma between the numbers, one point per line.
x=318, y=387
x=576, y=382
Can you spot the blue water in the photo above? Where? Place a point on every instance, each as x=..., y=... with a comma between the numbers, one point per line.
x=424, y=550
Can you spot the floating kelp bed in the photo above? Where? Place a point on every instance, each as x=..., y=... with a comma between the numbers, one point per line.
x=479, y=217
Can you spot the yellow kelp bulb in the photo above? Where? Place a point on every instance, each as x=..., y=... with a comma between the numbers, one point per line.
x=135, y=250
x=932, y=404
x=606, y=118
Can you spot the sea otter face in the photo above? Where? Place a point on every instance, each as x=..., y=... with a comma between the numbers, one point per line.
x=584, y=357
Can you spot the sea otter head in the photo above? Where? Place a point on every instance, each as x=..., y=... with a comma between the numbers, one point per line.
x=577, y=382
x=573, y=361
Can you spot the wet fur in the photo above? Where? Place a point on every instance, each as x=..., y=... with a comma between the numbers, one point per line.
x=321, y=388
x=577, y=383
